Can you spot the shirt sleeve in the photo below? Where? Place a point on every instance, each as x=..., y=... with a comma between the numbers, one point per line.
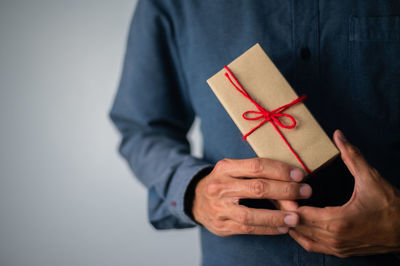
x=153, y=114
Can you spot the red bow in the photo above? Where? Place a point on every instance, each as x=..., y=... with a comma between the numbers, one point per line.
x=272, y=116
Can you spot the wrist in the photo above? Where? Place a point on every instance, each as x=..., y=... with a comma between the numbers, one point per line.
x=191, y=191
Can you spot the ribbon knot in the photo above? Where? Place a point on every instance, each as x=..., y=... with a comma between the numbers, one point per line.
x=270, y=116
x=264, y=115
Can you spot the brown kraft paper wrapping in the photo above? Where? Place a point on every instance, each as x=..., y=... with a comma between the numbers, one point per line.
x=267, y=86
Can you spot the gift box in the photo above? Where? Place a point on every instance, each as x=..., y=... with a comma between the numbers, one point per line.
x=271, y=116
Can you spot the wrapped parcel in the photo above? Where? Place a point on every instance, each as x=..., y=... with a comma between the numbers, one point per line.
x=271, y=116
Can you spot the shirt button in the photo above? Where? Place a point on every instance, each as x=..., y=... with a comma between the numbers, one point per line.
x=305, y=53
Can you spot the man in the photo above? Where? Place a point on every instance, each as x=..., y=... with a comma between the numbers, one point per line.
x=345, y=55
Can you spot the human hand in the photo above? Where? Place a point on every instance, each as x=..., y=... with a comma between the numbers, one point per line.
x=216, y=202
x=369, y=223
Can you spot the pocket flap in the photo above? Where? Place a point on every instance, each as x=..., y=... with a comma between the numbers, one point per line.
x=375, y=28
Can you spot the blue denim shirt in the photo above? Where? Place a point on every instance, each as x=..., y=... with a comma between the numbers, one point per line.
x=345, y=55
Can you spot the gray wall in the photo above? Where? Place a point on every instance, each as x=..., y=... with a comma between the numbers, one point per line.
x=66, y=197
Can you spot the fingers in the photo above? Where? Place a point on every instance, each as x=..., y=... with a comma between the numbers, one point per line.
x=262, y=217
x=241, y=229
x=308, y=244
x=258, y=189
x=260, y=168
x=269, y=189
x=243, y=220
x=313, y=216
x=286, y=205
x=327, y=219
x=350, y=154
x=317, y=234
x=229, y=227
x=334, y=246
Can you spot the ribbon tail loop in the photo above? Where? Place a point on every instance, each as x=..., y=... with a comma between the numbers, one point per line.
x=279, y=122
x=247, y=117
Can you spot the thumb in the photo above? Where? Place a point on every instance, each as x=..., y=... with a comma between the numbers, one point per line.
x=351, y=155
x=286, y=205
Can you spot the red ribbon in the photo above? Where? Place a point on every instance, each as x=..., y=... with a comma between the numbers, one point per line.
x=268, y=116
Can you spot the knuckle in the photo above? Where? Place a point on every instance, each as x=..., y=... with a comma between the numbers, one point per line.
x=217, y=224
x=338, y=227
x=274, y=220
x=256, y=165
x=221, y=228
x=214, y=188
x=291, y=189
x=247, y=229
x=215, y=228
x=324, y=225
x=243, y=217
x=353, y=151
x=333, y=228
x=345, y=227
x=220, y=165
x=257, y=188
x=308, y=247
x=336, y=244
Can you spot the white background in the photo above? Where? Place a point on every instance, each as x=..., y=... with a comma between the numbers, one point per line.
x=66, y=197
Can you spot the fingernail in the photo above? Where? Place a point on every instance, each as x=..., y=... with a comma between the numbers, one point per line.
x=296, y=174
x=305, y=191
x=283, y=230
x=341, y=136
x=291, y=219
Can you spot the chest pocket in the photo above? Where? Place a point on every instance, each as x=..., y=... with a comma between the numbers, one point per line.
x=374, y=50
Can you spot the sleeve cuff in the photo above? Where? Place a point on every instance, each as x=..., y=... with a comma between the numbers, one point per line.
x=183, y=183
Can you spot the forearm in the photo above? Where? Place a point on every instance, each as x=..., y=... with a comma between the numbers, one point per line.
x=161, y=160
x=153, y=112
